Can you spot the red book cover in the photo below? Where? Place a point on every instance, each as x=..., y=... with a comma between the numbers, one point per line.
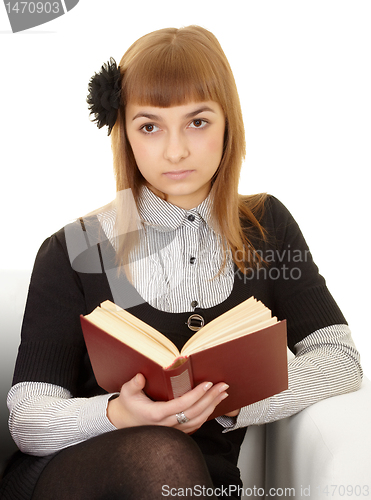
x=254, y=366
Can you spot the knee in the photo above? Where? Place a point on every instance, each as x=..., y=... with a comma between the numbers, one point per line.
x=154, y=434
x=153, y=441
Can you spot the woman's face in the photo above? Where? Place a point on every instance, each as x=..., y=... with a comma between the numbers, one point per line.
x=177, y=149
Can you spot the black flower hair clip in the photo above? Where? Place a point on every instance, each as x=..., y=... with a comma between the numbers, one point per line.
x=104, y=95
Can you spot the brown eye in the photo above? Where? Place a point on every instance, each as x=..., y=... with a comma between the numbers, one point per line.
x=149, y=128
x=198, y=123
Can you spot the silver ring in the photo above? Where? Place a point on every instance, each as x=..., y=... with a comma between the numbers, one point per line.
x=182, y=419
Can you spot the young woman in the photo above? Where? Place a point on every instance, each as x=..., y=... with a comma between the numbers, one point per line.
x=177, y=241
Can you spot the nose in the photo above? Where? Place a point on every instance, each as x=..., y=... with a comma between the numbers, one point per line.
x=176, y=147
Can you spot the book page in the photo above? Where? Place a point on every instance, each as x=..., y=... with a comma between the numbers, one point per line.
x=132, y=336
x=249, y=316
x=211, y=341
x=224, y=330
x=249, y=312
x=140, y=326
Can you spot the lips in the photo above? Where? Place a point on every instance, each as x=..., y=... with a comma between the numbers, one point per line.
x=178, y=174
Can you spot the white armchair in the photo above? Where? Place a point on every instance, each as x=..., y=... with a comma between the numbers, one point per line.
x=322, y=452
x=328, y=445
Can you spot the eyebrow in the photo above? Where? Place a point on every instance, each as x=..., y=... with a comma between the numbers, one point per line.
x=150, y=116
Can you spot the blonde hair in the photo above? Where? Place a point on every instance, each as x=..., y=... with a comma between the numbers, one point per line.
x=171, y=67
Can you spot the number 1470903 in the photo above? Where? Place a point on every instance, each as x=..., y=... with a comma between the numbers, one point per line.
x=34, y=8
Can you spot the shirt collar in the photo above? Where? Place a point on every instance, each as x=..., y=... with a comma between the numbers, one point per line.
x=164, y=216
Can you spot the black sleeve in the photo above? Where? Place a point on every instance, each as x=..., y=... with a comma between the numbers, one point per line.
x=300, y=292
x=52, y=346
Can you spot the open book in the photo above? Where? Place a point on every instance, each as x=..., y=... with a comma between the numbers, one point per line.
x=245, y=347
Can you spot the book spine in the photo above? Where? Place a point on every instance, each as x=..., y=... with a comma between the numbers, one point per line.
x=179, y=380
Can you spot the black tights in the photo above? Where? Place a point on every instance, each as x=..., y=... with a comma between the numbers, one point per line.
x=141, y=463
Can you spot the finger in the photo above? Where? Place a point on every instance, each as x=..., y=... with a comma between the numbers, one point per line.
x=203, y=408
x=134, y=386
x=197, y=415
x=193, y=405
x=209, y=397
x=188, y=399
x=233, y=413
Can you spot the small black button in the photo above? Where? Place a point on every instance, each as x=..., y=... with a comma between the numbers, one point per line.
x=192, y=260
x=194, y=303
x=191, y=217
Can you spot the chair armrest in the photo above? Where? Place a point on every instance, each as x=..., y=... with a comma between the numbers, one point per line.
x=252, y=457
x=326, y=448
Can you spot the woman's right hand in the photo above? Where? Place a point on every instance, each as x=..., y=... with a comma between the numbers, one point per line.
x=132, y=407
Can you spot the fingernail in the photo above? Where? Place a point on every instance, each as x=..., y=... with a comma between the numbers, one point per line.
x=207, y=386
x=224, y=388
x=225, y=395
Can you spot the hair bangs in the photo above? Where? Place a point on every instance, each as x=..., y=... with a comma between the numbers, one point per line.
x=171, y=75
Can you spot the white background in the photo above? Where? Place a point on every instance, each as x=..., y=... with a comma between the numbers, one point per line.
x=304, y=77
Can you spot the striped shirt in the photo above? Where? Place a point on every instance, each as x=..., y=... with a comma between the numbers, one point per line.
x=178, y=256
